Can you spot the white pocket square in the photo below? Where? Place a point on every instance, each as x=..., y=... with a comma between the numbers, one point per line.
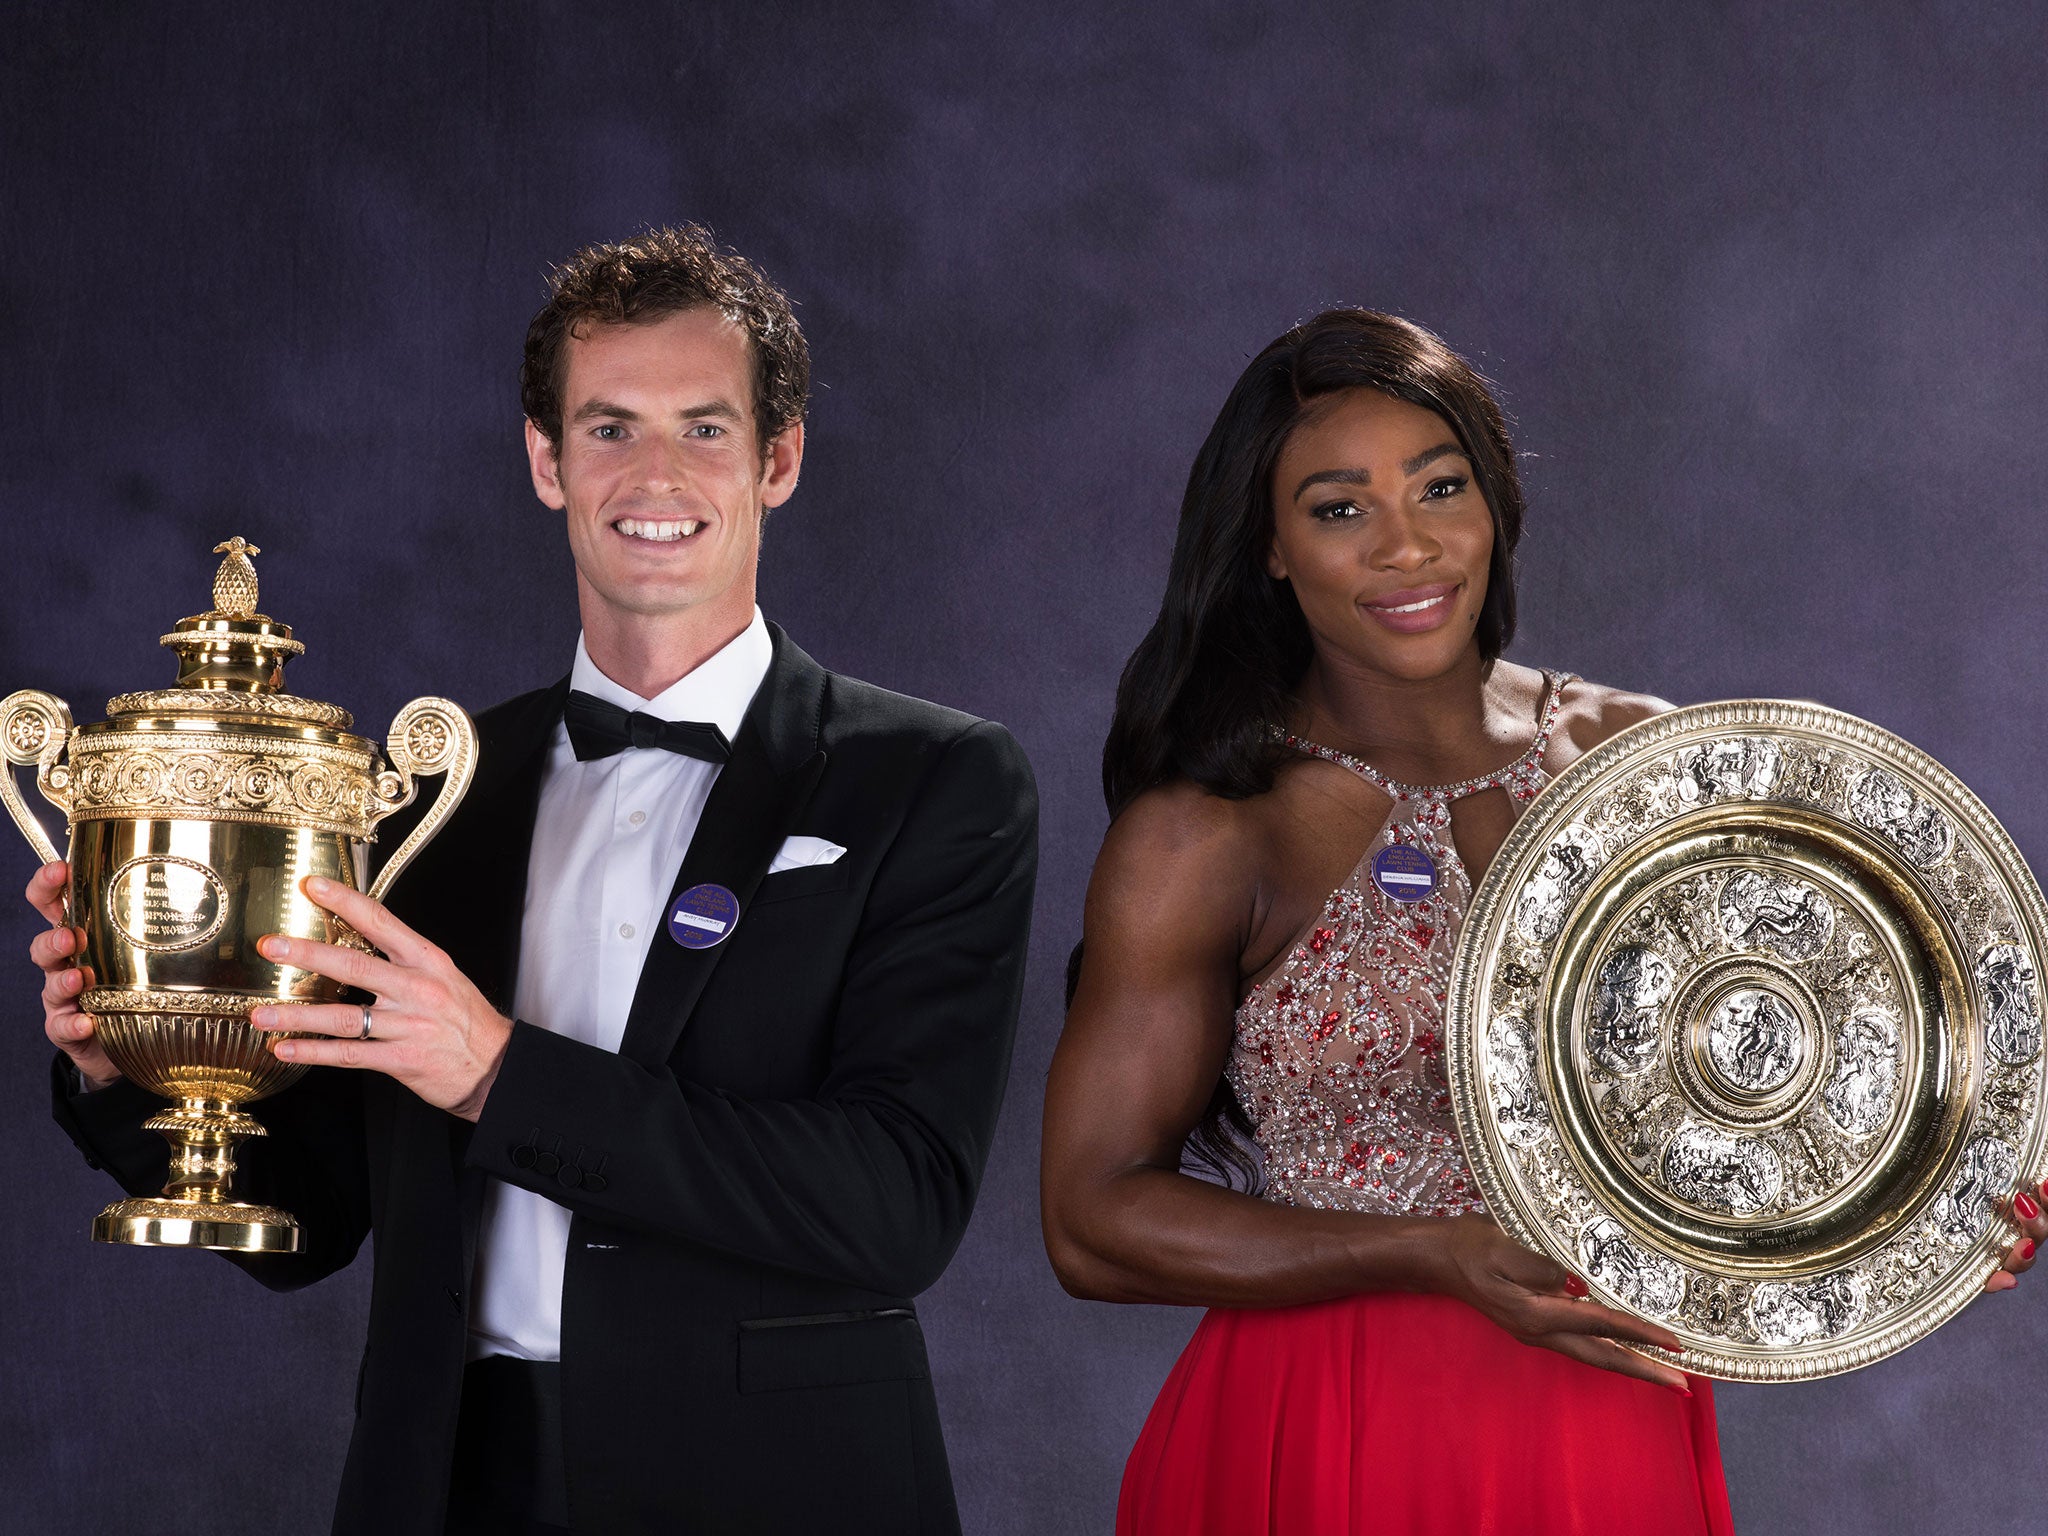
x=803, y=852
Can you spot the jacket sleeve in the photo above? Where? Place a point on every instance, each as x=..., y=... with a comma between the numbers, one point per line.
x=870, y=1181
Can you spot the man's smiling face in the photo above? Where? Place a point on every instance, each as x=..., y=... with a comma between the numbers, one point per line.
x=660, y=470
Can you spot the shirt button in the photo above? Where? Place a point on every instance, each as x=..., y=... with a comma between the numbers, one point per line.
x=637, y=817
x=625, y=930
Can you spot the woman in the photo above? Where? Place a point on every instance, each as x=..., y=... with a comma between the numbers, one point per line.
x=1316, y=752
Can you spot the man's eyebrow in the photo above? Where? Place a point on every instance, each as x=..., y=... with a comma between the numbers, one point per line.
x=590, y=410
x=725, y=410
x=593, y=410
x=1421, y=460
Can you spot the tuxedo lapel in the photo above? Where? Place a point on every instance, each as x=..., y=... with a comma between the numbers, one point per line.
x=758, y=795
x=498, y=841
x=475, y=901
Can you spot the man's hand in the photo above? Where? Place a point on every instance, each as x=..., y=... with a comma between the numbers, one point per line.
x=69, y=1029
x=430, y=1028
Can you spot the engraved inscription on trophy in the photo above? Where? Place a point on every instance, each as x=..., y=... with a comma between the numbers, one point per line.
x=163, y=903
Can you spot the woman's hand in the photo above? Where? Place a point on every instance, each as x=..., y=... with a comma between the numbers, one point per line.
x=2033, y=1225
x=1541, y=1302
x=68, y=1026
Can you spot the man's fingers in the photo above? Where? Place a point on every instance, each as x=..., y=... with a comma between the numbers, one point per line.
x=342, y=1021
x=1557, y=1315
x=1613, y=1357
x=369, y=972
x=46, y=890
x=372, y=919
x=61, y=987
x=376, y=1055
x=53, y=948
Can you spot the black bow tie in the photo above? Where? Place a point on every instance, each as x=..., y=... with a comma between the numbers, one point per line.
x=599, y=729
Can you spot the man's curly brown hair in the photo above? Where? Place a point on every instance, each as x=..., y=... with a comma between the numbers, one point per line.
x=649, y=277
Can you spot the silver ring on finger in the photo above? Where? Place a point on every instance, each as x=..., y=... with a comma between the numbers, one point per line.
x=366, y=1022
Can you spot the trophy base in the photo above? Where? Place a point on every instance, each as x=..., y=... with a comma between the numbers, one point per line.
x=228, y=1225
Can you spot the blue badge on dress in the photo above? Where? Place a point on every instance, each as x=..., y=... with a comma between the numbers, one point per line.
x=1404, y=873
x=703, y=916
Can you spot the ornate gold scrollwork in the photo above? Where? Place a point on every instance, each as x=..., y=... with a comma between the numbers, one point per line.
x=429, y=736
x=34, y=728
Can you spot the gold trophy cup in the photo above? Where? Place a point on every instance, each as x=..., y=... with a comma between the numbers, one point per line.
x=195, y=812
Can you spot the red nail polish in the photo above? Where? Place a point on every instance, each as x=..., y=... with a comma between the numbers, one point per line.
x=2026, y=1248
x=1574, y=1286
x=2024, y=1204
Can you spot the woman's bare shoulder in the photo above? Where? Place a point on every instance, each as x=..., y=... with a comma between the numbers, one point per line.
x=1589, y=713
x=1182, y=859
x=1183, y=829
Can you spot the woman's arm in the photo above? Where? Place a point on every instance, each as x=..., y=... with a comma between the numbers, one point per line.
x=1169, y=909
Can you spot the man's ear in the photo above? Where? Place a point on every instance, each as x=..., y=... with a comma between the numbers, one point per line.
x=545, y=463
x=781, y=465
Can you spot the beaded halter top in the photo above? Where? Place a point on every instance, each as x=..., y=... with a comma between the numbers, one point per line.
x=1338, y=1061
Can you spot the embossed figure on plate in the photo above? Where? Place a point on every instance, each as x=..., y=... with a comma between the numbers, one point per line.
x=2012, y=1005
x=1775, y=912
x=1518, y=1106
x=1614, y=1262
x=1861, y=1090
x=1628, y=998
x=1801, y=1311
x=1744, y=767
x=1986, y=1176
x=1719, y=1171
x=1755, y=1041
x=1885, y=805
x=1565, y=871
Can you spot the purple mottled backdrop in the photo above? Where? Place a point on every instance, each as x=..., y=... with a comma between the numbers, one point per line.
x=1764, y=294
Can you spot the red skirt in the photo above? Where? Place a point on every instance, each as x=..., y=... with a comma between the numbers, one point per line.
x=1403, y=1415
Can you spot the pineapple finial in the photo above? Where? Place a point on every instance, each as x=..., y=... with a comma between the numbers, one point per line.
x=234, y=584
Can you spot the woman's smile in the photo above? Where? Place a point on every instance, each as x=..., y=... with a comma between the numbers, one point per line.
x=1415, y=610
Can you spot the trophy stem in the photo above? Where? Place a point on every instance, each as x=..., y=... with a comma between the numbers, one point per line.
x=195, y=1210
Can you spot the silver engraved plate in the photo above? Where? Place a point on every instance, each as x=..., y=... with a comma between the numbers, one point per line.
x=1746, y=1027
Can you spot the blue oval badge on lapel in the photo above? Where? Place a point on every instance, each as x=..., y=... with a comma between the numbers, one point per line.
x=702, y=916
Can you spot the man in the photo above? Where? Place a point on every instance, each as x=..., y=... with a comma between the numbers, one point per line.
x=689, y=1029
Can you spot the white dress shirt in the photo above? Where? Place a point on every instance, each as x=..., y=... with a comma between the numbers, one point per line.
x=607, y=841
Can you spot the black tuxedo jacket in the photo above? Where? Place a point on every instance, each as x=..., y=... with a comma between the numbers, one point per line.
x=780, y=1156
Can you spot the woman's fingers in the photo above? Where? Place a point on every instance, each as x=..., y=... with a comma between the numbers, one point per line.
x=1556, y=1314
x=2030, y=1213
x=1610, y=1356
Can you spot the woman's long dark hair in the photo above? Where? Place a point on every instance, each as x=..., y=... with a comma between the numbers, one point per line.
x=1200, y=695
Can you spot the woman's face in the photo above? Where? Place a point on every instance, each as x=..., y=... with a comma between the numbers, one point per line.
x=1379, y=524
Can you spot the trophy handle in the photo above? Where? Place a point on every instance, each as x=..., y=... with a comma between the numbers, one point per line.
x=429, y=736
x=34, y=728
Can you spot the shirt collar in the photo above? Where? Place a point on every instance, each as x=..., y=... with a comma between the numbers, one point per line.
x=717, y=692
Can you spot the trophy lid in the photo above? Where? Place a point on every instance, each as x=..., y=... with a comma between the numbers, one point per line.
x=231, y=657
